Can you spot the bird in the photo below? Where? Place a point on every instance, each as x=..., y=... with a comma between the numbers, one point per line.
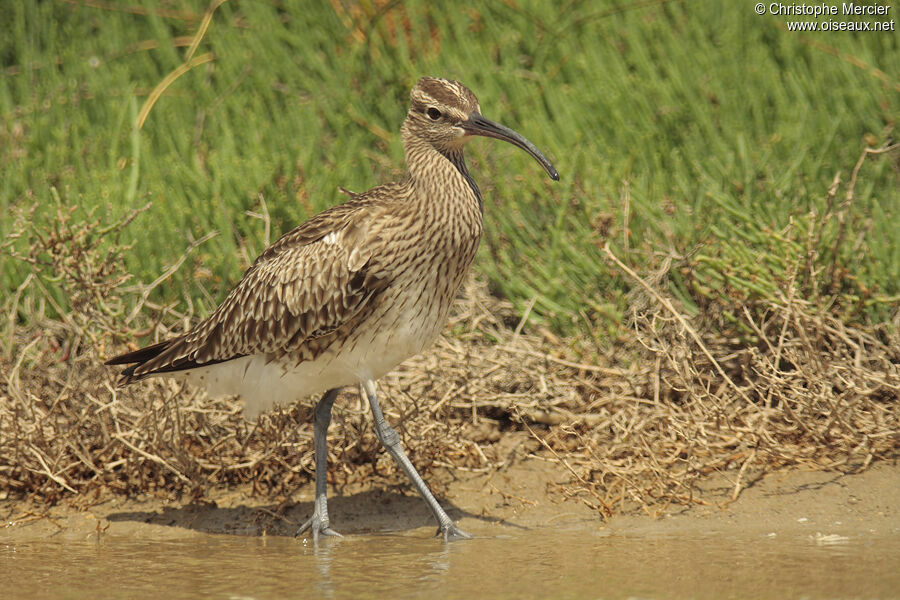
x=348, y=295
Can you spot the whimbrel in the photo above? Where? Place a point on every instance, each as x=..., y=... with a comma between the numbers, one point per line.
x=352, y=292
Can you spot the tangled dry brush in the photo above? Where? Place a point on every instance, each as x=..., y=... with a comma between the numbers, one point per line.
x=644, y=422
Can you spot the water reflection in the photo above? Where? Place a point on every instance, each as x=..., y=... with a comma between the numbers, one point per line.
x=537, y=563
x=324, y=553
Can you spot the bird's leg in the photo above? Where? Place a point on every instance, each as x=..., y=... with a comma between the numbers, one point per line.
x=318, y=522
x=391, y=441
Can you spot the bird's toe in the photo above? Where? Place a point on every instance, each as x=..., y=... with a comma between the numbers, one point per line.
x=451, y=532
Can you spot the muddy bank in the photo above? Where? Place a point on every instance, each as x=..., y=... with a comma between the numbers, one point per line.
x=793, y=534
x=524, y=496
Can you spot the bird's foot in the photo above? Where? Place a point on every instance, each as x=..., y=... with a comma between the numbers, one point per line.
x=318, y=525
x=450, y=532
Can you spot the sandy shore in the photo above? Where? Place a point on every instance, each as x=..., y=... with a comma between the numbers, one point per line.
x=525, y=495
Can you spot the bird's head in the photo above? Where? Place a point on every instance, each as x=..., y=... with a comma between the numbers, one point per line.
x=446, y=114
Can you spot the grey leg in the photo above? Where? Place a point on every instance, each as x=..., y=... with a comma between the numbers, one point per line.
x=391, y=441
x=318, y=522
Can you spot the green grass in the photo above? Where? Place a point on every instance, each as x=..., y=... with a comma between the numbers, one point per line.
x=716, y=119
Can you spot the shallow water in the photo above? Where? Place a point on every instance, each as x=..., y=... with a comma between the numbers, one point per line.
x=582, y=562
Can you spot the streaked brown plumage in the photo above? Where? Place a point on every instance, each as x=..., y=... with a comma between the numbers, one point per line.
x=352, y=292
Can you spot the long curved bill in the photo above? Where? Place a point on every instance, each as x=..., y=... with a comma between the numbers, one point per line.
x=478, y=125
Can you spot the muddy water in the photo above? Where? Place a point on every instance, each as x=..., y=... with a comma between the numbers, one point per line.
x=571, y=562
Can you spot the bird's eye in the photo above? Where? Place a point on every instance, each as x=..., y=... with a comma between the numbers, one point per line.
x=434, y=114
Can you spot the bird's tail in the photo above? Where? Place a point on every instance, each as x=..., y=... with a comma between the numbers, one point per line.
x=136, y=359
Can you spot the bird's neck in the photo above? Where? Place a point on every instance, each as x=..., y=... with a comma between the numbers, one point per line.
x=439, y=174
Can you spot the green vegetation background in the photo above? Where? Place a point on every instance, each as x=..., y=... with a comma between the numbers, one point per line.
x=694, y=129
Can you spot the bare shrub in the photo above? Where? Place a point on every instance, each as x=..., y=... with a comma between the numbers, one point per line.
x=762, y=377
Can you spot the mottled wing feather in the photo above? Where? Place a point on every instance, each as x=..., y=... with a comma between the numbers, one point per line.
x=310, y=282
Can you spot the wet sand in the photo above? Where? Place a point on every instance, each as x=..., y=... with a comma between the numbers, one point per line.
x=524, y=496
x=792, y=534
